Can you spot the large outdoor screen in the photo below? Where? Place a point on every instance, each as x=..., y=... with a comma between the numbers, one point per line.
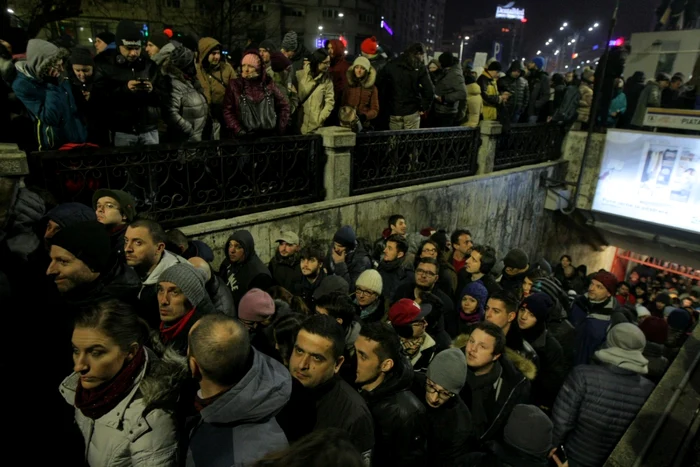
x=651, y=177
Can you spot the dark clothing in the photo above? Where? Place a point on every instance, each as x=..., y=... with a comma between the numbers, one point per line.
x=658, y=364
x=126, y=111
x=120, y=282
x=592, y=321
x=286, y=271
x=633, y=89
x=356, y=262
x=200, y=249
x=504, y=455
x=539, y=94
x=449, y=428
x=520, y=91
x=439, y=318
x=464, y=278
x=399, y=420
x=394, y=274
x=220, y=296
x=553, y=368
x=512, y=283
x=594, y=408
x=450, y=87
x=306, y=289
x=516, y=342
x=239, y=275
x=406, y=86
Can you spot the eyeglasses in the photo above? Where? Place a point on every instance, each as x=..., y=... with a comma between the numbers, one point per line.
x=364, y=293
x=423, y=272
x=431, y=389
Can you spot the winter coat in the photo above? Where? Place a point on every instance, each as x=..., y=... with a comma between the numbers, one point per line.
x=407, y=89
x=658, y=363
x=220, y=296
x=52, y=108
x=400, y=424
x=185, y=110
x=553, y=368
x=592, y=321
x=584, y=104
x=649, y=97
x=306, y=289
x=339, y=69
x=425, y=354
x=254, y=90
x=362, y=95
x=440, y=319
x=147, y=306
x=133, y=433
x=319, y=99
x=633, y=89
x=394, y=274
x=214, y=80
x=475, y=105
x=538, y=81
x=450, y=86
x=377, y=61
x=239, y=275
x=520, y=91
x=594, y=408
x=163, y=54
x=242, y=420
x=618, y=104
x=356, y=262
x=133, y=112
x=286, y=271
x=490, y=96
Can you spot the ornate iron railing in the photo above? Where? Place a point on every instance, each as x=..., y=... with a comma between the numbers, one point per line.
x=391, y=159
x=526, y=144
x=178, y=185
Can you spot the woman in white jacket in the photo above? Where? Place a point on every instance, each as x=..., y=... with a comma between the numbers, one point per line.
x=116, y=383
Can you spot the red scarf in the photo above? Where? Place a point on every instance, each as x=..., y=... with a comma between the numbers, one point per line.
x=171, y=332
x=94, y=403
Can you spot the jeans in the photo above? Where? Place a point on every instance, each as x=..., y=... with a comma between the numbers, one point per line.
x=128, y=139
x=407, y=122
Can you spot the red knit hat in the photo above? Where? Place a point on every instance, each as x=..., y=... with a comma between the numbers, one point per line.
x=369, y=46
x=655, y=329
x=608, y=280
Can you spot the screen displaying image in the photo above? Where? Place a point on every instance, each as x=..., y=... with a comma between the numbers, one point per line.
x=651, y=177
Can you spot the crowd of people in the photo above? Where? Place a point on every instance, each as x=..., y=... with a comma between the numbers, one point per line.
x=418, y=347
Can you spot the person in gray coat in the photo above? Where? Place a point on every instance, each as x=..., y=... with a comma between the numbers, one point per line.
x=185, y=107
x=514, y=83
x=650, y=97
x=450, y=92
x=241, y=392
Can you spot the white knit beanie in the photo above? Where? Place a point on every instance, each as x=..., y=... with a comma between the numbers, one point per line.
x=370, y=280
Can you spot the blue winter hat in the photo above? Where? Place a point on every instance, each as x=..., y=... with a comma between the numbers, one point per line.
x=346, y=237
x=478, y=291
x=539, y=62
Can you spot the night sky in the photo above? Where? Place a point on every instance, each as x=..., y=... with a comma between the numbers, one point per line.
x=546, y=16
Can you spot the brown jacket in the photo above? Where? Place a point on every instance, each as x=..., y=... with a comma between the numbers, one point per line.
x=214, y=81
x=362, y=95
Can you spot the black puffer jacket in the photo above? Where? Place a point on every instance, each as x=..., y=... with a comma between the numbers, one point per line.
x=450, y=86
x=239, y=275
x=399, y=420
x=405, y=88
x=538, y=81
x=594, y=408
x=220, y=296
x=552, y=371
x=286, y=271
x=126, y=111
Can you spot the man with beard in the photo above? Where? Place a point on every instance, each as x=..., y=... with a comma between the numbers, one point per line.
x=241, y=264
x=214, y=74
x=397, y=226
x=494, y=385
x=312, y=273
x=462, y=244
x=394, y=268
x=285, y=267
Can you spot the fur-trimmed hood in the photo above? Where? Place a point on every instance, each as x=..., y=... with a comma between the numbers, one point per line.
x=525, y=366
x=367, y=83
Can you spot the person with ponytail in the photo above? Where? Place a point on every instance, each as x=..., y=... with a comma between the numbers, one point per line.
x=116, y=386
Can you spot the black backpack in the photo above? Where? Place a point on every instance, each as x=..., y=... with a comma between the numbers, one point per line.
x=568, y=110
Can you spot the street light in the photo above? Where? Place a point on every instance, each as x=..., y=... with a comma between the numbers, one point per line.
x=11, y=11
x=590, y=29
x=573, y=41
x=596, y=25
x=539, y=52
x=320, y=28
x=340, y=15
x=565, y=25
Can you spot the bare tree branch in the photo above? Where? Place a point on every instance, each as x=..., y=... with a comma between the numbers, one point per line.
x=44, y=12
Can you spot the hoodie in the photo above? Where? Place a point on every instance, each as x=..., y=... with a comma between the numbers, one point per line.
x=338, y=69
x=239, y=275
x=240, y=427
x=163, y=54
x=214, y=79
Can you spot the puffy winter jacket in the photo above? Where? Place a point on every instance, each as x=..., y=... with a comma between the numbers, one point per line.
x=490, y=96
x=520, y=91
x=585, y=102
x=286, y=271
x=319, y=99
x=339, y=69
x=475, y=105
x=450, y=86
x=538, y=81
x=594, y=408
x=214, y=79
x=407, y=89
x=362, y=95
x=185, y=107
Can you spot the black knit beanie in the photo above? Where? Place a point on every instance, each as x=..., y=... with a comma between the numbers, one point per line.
x=87, y=241
x=81, y=56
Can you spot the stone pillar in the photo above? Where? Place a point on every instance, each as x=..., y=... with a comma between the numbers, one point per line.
x=490, y=132
x=337, y=142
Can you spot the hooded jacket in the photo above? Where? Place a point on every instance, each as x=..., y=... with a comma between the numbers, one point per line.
x=134, y=433
x=490, y=96
x=400, y=425
x=406, y=88
x=450, y=87
x=395, y=273
x=475, y=105
x=239, y=275
x=214, y=79
x=286, y=271
x=254, y=90
x=49, y=102
x=319, y=97
x=240, y=426
x=362, y=95
x=163, y=54
x=338, y=69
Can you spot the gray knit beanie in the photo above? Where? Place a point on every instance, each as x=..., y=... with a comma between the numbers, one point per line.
x=189, y=279
x=289, y=42
x=529, y=430
x=449, y=370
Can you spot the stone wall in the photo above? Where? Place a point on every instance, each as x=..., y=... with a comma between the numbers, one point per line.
x=574, y=145
x=504, y=209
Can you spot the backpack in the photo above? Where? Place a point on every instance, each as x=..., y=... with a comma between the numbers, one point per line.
x=568, y=110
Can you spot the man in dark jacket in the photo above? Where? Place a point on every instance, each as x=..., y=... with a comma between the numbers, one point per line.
x=394, y=268
x=81, y=72
x=61, y=217
x=284, y=267
x=347, y=258
x=450, y=92
x=450, y=429
x=598, y=402
x=501, y=310
x=311, y=262
x=127, y=87
x=385, y=378
x=532, y=321
x=633, y=89
x=179, y=244
x=538, y=81
x=241, y=264
x=516, y=264
x=218, y=291
x=517, y=86
x=494, y=385
x=478, y=268
x=405, y=88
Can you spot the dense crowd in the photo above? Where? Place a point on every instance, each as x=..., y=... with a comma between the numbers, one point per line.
x=417, y=348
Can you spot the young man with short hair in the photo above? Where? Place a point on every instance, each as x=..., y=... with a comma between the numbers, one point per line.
x=311, y=258
x=394, y=267
x=477, y=267
x=385, y=376
x=502, y=310
x=397, y=226
x=462, y=244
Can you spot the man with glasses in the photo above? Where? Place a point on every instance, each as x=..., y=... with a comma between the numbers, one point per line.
x=450, y=430
x=116, y=209
x=422, y=288
x=368, y=296
x=408, y=320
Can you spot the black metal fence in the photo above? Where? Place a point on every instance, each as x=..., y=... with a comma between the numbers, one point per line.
x=180, y=185
x=528, y=144
x=391, y=159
